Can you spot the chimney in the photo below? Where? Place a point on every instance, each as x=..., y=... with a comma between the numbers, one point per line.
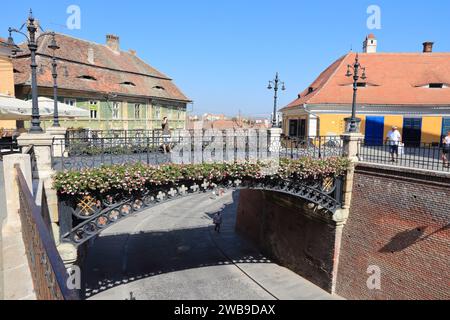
x=428, y=47
x=112, y=42
x=132, y=52
x=370, y=44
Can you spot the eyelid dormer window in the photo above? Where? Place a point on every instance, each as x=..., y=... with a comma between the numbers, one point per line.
x=159, y=88
x=87, y=77
x=128, y=83
x=436, y=86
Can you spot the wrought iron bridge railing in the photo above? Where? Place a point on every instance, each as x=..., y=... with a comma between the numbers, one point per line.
x=94, y=151
x=84, y=217
x=47, y=268
x=426, y=156
x=318, y=147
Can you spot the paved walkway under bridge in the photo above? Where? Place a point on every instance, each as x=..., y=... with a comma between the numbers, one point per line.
x=172, y=252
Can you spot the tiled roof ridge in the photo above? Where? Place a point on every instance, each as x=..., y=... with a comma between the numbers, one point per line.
x=343, y=59
x=46, y=37
x=26, y=56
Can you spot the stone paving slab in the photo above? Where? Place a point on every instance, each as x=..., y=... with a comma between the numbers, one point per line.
x=172, y=252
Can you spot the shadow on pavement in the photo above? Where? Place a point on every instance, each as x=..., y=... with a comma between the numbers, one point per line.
x=114, y=260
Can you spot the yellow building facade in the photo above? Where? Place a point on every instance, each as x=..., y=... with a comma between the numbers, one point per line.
x=407, y=90
x=432, y=128
x=6, y=85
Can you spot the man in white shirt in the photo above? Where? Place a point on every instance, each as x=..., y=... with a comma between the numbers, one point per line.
x=393, y=139
x=446, y=150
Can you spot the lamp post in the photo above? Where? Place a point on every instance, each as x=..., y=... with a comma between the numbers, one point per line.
x=353, y=127
x=274, y=85
x=32, y=41
x=54, y=47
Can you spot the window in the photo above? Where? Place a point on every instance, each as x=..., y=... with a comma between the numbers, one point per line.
x=297, y=128
x=87, y=77
x=436, y=85
x=116, y=110
x=128, y=83
x=159, y=88
x=70, y=102
x=310, y=90
x=137, y=111
x=293, y=127
x=157, y=112
x=93, y=108
x=361, y=84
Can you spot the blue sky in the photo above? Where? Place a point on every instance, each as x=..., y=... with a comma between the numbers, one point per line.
x=221, y=53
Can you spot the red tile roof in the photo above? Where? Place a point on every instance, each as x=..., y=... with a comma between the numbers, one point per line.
x=110, y=69
x=392, y=79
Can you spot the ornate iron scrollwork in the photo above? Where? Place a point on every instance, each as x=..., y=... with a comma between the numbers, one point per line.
x=92, y=216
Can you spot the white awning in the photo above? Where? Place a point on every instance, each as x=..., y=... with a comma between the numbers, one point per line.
x=16, y=109
x=46, y=107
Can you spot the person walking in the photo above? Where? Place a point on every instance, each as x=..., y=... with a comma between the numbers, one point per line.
x=446, y=150
x=217, y=221
x=393, y=139
x=166, y=135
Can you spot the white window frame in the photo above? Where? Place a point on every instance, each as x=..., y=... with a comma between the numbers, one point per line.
x=93, y=103
x=157, y=112
x=137, y=111
x=116, y=110
x=70, y=101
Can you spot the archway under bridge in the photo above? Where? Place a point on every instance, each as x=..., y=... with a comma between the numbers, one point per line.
x=171, y=251
x=85, y=217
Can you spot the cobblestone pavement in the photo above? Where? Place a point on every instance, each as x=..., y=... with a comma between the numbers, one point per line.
x=172, y=252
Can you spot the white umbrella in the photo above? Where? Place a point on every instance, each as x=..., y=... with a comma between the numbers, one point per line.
x=14, y=109
x=46, y=107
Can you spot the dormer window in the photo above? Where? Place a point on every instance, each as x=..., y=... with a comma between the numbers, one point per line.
x=87, y=77
x=436, y=85
x=361, y=84
x=128, y=83
x=159, y=88
x=310, y=90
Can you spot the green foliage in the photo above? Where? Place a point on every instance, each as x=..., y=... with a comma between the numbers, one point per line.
x=139, y=177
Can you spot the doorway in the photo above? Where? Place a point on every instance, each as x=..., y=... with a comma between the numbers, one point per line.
x=374, y=131
x=412, y=131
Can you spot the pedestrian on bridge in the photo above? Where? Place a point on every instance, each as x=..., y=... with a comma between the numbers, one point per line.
x=446, y=150
x=394, y=139
x=217, y=221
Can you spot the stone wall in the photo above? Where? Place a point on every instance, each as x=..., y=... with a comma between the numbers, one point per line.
x=291, y=232
x=400, y=222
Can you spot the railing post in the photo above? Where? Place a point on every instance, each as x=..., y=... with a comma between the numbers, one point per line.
x=59, y=135
x=148, y=150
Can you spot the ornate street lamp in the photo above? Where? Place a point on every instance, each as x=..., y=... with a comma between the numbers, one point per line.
x=32, y=42
x=353, y=126
x=274, y=85
x=54, y=46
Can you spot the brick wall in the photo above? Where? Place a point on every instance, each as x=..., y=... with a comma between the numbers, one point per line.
x=289, y=231
x=400, y=222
